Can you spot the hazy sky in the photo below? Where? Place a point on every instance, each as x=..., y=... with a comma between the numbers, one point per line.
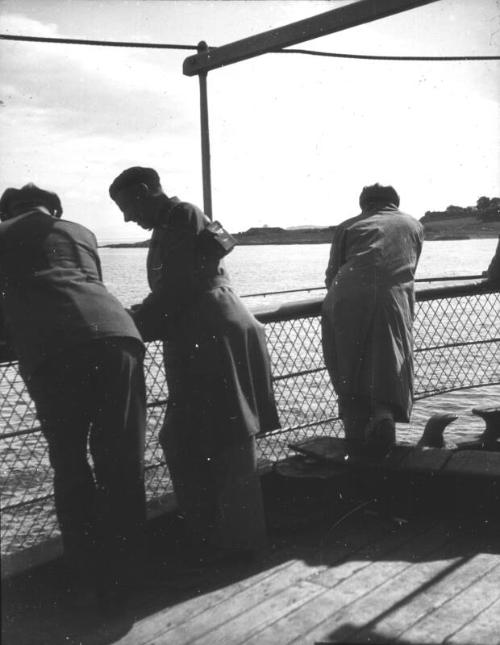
x=294, y=138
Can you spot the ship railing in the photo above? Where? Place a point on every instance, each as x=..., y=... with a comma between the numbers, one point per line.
x=457, y=346
x=447, y=278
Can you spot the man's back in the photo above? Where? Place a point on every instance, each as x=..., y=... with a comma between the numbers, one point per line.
x=388, y=242
x=53, y=295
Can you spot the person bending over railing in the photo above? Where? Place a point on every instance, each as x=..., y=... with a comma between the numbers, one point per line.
x=80, y=355
x=217, y=369
x=367, y=316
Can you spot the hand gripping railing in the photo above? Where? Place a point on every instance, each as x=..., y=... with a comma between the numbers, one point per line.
x=457, y=346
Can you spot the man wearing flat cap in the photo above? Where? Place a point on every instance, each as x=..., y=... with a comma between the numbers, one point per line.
x=217, y=370
x=80, y=355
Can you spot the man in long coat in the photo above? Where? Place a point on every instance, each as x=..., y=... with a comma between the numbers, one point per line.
x=80, y=355
x=217, y=369
x=368, y=315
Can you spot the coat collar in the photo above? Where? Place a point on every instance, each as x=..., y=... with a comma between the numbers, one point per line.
x=167, y=208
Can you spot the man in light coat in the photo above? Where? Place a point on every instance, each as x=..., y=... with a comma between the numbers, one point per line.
x=368, y=316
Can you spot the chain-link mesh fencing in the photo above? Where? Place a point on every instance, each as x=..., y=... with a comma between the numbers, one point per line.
x=456, y=346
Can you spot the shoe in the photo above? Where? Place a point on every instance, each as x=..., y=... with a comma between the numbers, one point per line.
x=381, y=436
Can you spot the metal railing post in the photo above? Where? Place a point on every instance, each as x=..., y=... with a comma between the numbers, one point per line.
x=205, y=138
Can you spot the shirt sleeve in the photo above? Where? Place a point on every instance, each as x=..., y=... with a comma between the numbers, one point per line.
x=336, y=256
x=493, y=271
x=6, y=352
x=97, y=258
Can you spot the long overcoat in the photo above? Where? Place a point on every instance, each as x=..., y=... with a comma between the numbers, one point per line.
x=216, y=358
x=369, y=308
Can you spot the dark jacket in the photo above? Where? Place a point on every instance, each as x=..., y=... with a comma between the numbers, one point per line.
x=178, y=273
x=53, y=296
x=216, y=357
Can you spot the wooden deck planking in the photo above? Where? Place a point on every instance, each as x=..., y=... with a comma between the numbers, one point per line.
x=199, y=626
x=397, y=538
x=231, y=616
x=170, y=617
x=415, y=593
x=352, y=579
x=365, y=580
x=483, y=630
x=457, y=612
x=212, y=606
x=250, y=623
x=368, y=579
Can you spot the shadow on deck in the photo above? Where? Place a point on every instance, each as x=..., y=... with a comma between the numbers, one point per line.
x=341, y=567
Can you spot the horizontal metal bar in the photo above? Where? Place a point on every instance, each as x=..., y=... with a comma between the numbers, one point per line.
x=329, y=22
x=29, y=502
x=427, y=394
x=277, y=293
x=289, y=311
x=19, y=433
x=301, y=373
x=311, y=307
x=466, y=344
x=458, y=278
x=451, y=278
x=156, y=403
x=303, y=426
x=457, y=291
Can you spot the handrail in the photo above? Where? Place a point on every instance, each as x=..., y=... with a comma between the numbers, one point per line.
x=312, y=306
x=458, y=278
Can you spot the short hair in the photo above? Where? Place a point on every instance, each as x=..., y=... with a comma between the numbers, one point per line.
x=14, y=201
x=135, y=175
x=378, y=195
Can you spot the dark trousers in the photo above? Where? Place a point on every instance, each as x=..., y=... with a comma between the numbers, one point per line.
x=217, y=486
x=93, y=397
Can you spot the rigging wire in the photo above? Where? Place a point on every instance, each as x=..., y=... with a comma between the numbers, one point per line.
x=103, y=43
x=312, y=52
x=309, y=52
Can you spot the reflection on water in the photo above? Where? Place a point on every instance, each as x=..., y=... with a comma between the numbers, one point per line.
x=257, y=269
x=467, y=426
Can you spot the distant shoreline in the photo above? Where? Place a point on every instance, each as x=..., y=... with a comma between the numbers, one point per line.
x=323, y=236
x=456, y=223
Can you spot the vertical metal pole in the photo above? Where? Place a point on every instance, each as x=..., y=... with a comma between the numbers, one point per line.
x=205, y=138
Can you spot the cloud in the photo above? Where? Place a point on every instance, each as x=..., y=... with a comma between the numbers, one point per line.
x=293, y=138
x=75, y=116
x=126, y=92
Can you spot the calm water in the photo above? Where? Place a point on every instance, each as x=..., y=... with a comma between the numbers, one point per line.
x=257, y=269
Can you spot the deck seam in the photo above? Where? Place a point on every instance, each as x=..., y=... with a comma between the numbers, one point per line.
x=495, y=568
x=474, y=620
x=410, y=538
x=433, y=582
x=409, y=564
x=448, y=601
